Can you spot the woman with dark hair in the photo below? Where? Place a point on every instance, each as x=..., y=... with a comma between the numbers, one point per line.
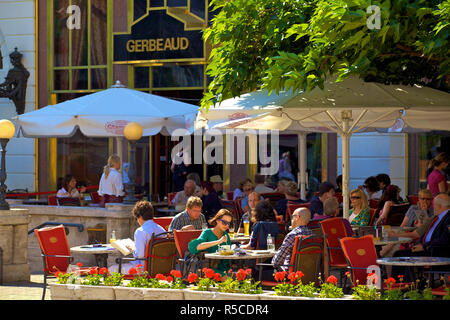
x=437, y=180
x=210, y=199
x=383, y=180
x=372, y=188
x=210, y=239
x=266, y=223
x=69, y=190
x=390, y=197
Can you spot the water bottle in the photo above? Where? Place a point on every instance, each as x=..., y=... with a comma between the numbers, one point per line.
x=270, y=242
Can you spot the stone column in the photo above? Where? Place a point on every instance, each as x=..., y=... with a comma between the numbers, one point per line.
x=14, y=242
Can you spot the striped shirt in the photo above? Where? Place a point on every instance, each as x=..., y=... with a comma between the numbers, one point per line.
x=283, y=256
x=182, y=219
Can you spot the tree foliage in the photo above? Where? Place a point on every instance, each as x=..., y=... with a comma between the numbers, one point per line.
x=297, y=44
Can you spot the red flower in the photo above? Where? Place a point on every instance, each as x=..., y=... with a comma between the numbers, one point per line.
x=93, y=271
x=103, y=271
x=230, y=271
x=175, y=273
x=292, y=277
x=390, y=280
x=400, y=277
x=372, y=276
x=347, y=273
x=209, y=273
x=169, y=279
x=300, y=274
x=79, y=264
x=248, y=271
x=217, y=277
x=160, y=276
x=193, y=277
x=241, y=274
x=58, y=274
x=279, y=276
x=132, y=271
x=332, y=279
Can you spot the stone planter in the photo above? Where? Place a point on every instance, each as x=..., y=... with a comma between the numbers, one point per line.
x=191, y=294
x=81, y=292
x=126, y=293
x=237, y=296
x=270, y=295
x=163, y=294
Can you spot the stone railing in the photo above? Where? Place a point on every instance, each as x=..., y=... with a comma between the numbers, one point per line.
x=116, y=217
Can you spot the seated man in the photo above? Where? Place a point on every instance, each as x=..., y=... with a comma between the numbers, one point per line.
x=191, y=218
x=143, y=213
x=260, y=184
x=181, y=197
x=290, y=192
x=331, y=210
x=253, y=199
x=436, y=240
x=217, y=185
x=299, y=221
x=326, y=190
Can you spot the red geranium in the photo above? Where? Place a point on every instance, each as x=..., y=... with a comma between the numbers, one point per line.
x=103, y=271
x=175, y=273
x=217, y=277
x=93, y=271
x=193, y=277
x=279, y=276
x=79, y=264
x=209, y=273
x=132, y=271
x=332, y=279
x=160, y=276
x=169, y=279
x=241, y=274
x=390, y=280
x=248, y=271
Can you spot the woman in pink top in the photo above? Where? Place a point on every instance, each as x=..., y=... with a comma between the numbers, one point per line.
x=437, y=180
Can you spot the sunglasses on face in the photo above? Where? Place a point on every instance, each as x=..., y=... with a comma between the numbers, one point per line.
x=227, y=223
x=425, y=199
x=354, y=197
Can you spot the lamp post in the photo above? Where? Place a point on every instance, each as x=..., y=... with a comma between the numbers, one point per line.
x=132, y=132
x=7, y=130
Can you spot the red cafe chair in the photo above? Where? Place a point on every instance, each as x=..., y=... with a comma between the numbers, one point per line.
x=413, y=199
x=55, y=252
x=229, y=195
x=333, y=229
x=163, y=222
x=182, y=239
x=291, y=207
x=170, y=197
x=372, y=216
x=95, y=197
x=52, y=201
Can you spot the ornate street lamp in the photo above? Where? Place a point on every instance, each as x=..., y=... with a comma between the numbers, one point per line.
x=7, y=130
x=132, y=132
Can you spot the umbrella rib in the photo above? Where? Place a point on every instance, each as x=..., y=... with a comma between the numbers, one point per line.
x=379, y=118
x=339, y=129
x=357, y=120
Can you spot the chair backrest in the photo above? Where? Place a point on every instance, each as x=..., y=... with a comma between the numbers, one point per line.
x=170, y=196
x=397, y=214
x=229, y=204
x=291, y=207
x=372, y=216
x=261, y=237
x=182, y=239
x=163, y=222
x=273, y=197
x=339, y=197
x=52, y=201
x=95, y=197
x=307, y=256
x=237, y=207
x=413, y=199
x=160, y=255
x=53, y=241
x=360, y=254
x=229, y=195
x=67, y=201
x=334, y=229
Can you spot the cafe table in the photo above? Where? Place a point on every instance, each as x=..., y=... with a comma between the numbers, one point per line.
x=390, y=240
x=414, y=262
x=100, y=251
x=239, y=237
x=241, y=259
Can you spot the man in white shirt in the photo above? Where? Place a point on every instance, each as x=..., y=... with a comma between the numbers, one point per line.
x=143, y=213
x=260, y=186
x=182, y=197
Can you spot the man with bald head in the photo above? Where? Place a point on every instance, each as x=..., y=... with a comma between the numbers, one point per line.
x=182, y=197
x=299, y=221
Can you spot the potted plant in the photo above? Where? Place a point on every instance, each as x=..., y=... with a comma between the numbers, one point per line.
x=367, y=291
x=293, y=289
x=330, y=290
x=239, y=286
x=202, y=287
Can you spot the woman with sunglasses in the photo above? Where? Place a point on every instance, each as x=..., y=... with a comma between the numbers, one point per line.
x=360, y=212
x=210, y=239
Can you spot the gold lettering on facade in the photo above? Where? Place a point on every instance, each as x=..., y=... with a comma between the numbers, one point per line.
x=160, y=44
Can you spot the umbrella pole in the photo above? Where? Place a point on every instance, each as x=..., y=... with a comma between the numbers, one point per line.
x=345, y=136
x=302, y=164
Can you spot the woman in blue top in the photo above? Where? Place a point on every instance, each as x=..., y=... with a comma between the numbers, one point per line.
x=212, y=238
x=266, y=223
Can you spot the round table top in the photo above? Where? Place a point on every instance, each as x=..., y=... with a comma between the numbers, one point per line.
x=393, y=240
x=90, y=249
x=251, y=254
x=239, y=238
x=414, y=261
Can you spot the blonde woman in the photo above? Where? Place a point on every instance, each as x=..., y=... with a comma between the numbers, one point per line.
x=111, y=185
x=360, y=212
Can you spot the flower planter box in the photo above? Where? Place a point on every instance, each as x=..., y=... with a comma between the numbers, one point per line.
x=191, y=294
x=81, y=292
x=128, y=293
x=270, y=295
x=237, y=296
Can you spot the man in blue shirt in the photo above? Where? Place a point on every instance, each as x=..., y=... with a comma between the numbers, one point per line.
x=326, y=191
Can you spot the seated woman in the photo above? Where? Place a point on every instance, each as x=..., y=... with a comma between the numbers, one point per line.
x=359, y=215
x=69, y=191
x=239, y=191
x=418, y=212
x=210, y=199
x=212, y=238
x=290, y=193
x=391, y=196
x=266, y=224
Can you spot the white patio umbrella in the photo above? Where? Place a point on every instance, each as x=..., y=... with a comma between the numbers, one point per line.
x=106, y=113
x=346, y=107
